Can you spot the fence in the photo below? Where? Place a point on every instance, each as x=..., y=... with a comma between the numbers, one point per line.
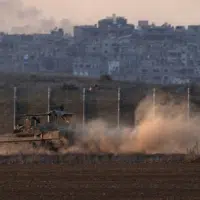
x=86, y=104
x=114, y=106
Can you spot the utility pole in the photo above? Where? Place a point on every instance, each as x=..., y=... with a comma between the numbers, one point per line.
x=118, y=108
x=83, y=123
x=154, y=102
x=48, y=104
x=14, y=107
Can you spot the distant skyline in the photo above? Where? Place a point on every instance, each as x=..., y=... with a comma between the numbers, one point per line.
x=28, y=16
x=89, y=11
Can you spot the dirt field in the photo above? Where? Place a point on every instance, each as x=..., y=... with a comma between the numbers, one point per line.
x=107, y=181
x=86, y=177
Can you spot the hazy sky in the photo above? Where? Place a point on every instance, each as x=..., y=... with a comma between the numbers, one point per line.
x=89, y=11
x=28, y=16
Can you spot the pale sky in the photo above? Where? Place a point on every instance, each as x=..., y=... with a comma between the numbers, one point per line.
x=89, y=11
x=28, y=16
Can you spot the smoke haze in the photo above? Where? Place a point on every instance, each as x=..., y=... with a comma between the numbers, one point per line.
x=27, y=16
x=15, y=17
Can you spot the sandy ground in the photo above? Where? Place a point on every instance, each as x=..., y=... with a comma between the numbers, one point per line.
x=100, y=181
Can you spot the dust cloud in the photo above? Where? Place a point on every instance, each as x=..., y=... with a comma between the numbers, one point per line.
x=164, y=128
x=12, y=149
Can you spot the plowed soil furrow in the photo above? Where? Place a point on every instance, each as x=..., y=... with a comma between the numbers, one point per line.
x=120, y=181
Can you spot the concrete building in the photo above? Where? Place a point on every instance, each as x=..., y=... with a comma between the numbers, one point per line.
x=149, y=53
x=87, y=66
